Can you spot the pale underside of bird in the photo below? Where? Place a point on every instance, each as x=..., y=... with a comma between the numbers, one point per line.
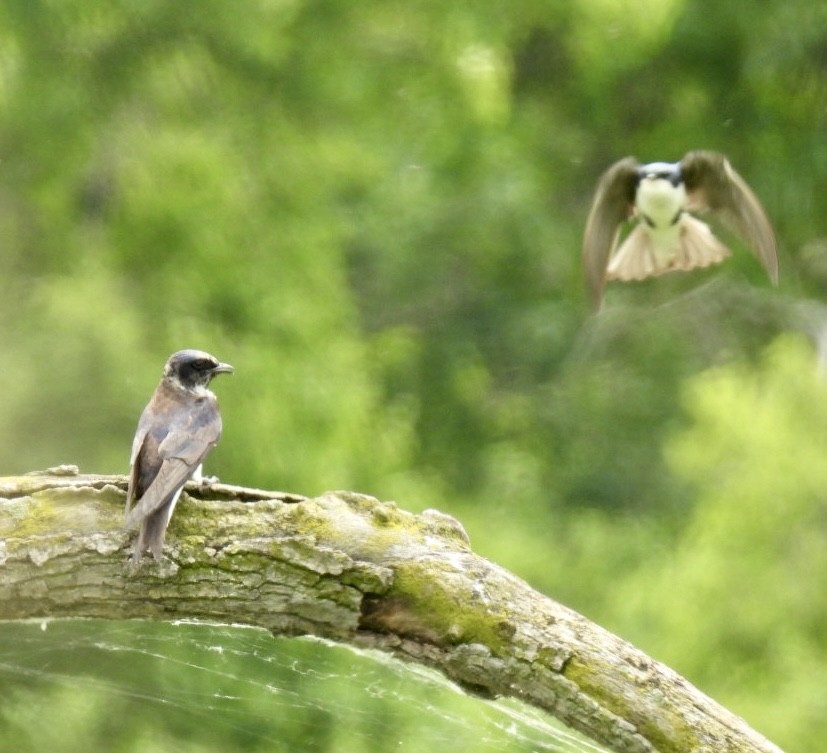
x=659, y=197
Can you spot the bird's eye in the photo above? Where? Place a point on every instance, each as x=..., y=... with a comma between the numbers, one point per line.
x=203, y=364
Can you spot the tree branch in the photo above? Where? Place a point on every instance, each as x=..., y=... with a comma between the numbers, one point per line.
x=349, y=568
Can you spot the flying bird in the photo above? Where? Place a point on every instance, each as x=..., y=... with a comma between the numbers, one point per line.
x=176, y=431
x=660, y=196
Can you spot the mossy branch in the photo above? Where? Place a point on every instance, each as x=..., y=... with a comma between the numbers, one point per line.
x=349, y=568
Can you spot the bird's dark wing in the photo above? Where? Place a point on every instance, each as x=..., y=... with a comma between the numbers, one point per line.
x=712, y=183
x=143, y=463
x=613, y=203
x=134, y=471
x=171, y=477
x=192, y=434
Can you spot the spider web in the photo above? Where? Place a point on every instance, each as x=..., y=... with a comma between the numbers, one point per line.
x=88, y=685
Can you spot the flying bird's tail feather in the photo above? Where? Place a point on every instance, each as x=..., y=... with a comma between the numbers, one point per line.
x=644, y=254
x=635, y=258
x=698, y=247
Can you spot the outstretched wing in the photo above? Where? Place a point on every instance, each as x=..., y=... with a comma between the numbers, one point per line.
x=183, y=449
x=613, y=204
x=712, y=183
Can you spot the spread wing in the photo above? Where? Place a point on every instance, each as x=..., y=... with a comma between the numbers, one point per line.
x=613, y=204
x=160, y=469
x=712, y=183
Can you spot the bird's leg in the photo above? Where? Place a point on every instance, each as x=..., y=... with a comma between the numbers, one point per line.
x=199, y=478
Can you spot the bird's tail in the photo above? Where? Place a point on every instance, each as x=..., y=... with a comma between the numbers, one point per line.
x=645, y=254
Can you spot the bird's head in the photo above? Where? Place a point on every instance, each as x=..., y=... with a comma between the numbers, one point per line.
x=193, y=369
x=670, y=171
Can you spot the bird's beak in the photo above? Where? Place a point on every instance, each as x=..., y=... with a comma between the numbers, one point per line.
x=223, y=368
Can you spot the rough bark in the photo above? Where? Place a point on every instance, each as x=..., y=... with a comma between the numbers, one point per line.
x=350, y=568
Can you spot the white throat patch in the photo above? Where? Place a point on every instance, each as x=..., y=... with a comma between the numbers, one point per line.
x=659, y=201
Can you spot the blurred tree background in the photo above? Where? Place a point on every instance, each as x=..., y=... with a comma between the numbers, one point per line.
x=374, y=211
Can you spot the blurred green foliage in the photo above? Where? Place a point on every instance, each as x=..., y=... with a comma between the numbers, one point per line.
x=373, y=210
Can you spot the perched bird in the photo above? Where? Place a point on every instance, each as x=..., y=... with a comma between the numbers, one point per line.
x=660, y=196
x=178, y=428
